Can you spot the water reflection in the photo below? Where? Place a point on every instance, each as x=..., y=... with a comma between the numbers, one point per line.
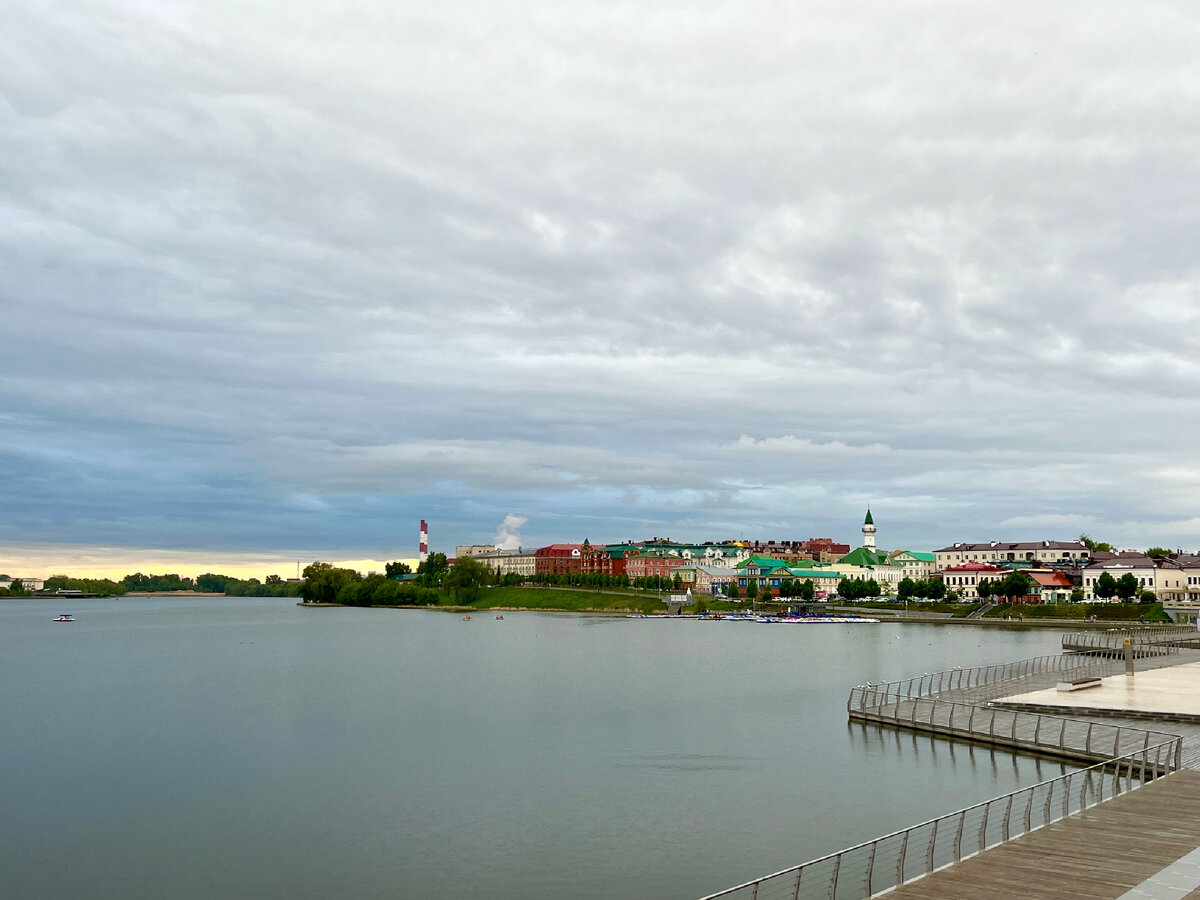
x=945, y=754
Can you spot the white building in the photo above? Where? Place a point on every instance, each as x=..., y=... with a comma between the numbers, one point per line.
x=510, y=562
x=1042, y=553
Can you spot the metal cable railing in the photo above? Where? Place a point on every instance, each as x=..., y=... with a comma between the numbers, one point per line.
x=903, y=856
x=980, y=676
x=1159, y=639
x=1055, y=735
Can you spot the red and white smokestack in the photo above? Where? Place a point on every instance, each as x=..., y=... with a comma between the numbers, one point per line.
x=424, y=552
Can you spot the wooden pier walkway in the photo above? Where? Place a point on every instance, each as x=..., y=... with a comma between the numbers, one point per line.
x=1105, y=852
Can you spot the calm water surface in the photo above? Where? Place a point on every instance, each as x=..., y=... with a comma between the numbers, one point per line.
x=234, y=747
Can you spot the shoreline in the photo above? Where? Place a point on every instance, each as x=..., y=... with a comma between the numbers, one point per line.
x=884, y=618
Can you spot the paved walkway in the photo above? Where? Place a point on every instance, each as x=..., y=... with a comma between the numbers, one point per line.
x=1141, y=845
x=1174, y=690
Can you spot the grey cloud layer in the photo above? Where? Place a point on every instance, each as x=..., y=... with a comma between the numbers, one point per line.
x=279, y=273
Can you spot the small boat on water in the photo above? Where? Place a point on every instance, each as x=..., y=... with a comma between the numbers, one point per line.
x=499, y=618
x=466, y=618
x=64, y=617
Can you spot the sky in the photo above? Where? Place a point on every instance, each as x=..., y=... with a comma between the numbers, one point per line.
x=278, y=280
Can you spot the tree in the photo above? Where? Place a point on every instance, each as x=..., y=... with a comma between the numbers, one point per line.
x=1017, y=584
x=984, y=588
x=464, y=579
x=325, y=584
x=751, y=589
x=1095, y=546
x=1077, y=595
x=1158, y=552
x=806, y=590
x=906, y=589
x=394, y=569
x=1148, y=597
x=433, y=569
x=1127, y=586
x=1105, y=587
x=731, y=591
x=934, y=589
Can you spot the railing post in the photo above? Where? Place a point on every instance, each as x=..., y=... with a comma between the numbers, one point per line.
x=1062, y=735
x=900, y=859
x=800, y=873
x=1029, y=812
x=962, y=820
x=1088, y=743
x=1066, y=805
x=971, y=718
x=1046, y=805
x=1007, y=816
x=930, y=848
x=1037, y=730
x=983, y=827
x=837, y=865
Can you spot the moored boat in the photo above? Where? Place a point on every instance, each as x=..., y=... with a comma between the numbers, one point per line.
x=64, y=617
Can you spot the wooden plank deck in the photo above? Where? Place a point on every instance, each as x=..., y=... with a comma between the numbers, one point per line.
x=1102, y=853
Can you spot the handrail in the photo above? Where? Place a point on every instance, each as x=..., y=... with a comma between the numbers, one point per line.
x=897, y=858
x=977, y=676
x=1056, y=735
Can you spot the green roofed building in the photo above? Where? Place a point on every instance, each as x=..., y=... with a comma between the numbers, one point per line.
x=868, y=563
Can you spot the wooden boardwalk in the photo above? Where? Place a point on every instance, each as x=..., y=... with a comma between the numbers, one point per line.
x=1101, y=853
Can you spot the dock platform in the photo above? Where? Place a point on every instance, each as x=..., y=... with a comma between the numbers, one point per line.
x=1132, y=846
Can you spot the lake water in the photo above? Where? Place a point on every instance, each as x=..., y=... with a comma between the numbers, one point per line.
x=251, y=748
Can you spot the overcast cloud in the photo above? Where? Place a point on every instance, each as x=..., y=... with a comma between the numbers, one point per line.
x=280, y=276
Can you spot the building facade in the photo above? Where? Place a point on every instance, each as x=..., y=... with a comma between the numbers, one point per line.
x=558, y=559
x=1039, y=553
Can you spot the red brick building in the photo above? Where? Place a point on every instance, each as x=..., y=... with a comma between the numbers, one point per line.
x=649, y=564
x=606, y=560
x=558, y=559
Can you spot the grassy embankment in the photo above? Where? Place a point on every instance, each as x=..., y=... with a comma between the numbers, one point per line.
x=958, y=610
x=1104, y=612
x=576, y=600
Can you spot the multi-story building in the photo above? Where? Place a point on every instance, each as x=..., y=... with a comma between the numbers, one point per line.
x=654, y=563
x=918, y=566
x=604, y=559
x=1040, y=553
x=965, y=578
x=473, y=550
x=825, y=549
x=704, y=579
x=1170, y=577
x=558, y=559
x=510, y=562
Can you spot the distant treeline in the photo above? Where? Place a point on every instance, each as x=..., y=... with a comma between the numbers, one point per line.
x=210, y=582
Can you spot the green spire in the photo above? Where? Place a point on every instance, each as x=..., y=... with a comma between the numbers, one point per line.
x=869, y=520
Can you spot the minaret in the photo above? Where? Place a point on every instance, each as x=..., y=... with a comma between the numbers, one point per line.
x=868, y=530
